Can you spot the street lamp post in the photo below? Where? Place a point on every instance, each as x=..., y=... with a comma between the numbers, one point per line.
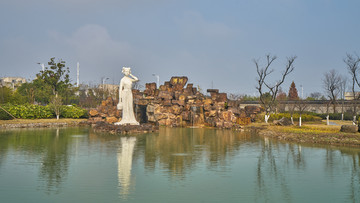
x=157, y=80
x=42, y=66
x=103, y=86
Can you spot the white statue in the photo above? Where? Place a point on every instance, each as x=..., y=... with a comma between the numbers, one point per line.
x=126, y=98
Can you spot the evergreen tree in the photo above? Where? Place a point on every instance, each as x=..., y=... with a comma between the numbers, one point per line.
x=293, y=93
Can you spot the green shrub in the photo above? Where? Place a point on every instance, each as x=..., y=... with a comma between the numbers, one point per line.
x=304, y=117
x=4, y=115
x=73, y=112
x=29, y=111
x=336, y=116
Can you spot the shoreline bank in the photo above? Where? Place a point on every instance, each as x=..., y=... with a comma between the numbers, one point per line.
x=39, y=123
x=311, y=134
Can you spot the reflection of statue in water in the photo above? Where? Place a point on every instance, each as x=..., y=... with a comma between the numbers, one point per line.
x=126, y=98
x=124, y=158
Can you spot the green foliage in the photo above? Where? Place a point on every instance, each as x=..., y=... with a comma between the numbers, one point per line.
x=53, y=80
x=336, y=116
x=29, y=111
x=32, y=111
x=72, y=111
x=7, y=95
x=4, y=115
x=305, y=117
x=56, y=105
x=56, y=76
x=246, y=97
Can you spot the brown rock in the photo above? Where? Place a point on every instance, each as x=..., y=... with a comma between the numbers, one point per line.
x=179, y=102
x=242, y=113
x=349, y=128
x=219, y=124
x=243, y=121
x=212, y=113
x=207, y=107
x=150, y=89
x=112, y=119
x=213, y=90
x=93, y=112
x=186, y=115
x=166, y=103
x=95, y=119
x=160, y=116
x=182, y=97
x=234, y=110
x=178, y=82
x=176, y=109
x=208, y=102
x=228, y=125
x=162, y=122
x=283, y=122
x=165, y=95
x=221, y=97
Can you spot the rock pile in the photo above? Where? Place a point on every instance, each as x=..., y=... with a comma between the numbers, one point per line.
x=107, y=112
x=124, y=129
x=176, y=103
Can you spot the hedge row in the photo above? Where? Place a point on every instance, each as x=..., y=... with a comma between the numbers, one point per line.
x=304, y=117
x=31, y=111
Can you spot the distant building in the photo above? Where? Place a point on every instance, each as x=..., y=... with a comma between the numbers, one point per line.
x=109, y=88
x=12, y=82
x=350, y=95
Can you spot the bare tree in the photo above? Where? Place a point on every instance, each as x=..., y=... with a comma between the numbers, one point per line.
x=331, y=84
x=316, y=95
x=342, y=89
x=291, y=109
x=301, y=105
x=352, y=65
x=268, y=98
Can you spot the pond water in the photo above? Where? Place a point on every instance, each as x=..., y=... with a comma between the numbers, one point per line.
x=174, y=165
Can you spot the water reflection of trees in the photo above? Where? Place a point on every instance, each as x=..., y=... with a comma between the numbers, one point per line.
x=268, y=173
x=353, y=165
x=49, y=148
x=179, y=149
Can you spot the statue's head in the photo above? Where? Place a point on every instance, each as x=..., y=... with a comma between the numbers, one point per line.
x=126, y=70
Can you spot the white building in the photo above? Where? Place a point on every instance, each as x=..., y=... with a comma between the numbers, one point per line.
x=12, y=82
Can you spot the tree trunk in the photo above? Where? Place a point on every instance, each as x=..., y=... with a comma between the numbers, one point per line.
x=267, y=118
x=57, y=117
x=292, y=120
x=354, y=120
x=300, y=121
x=327, y=120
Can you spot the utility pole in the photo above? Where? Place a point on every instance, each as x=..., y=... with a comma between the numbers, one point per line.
x=157, y=80
x=78, y=74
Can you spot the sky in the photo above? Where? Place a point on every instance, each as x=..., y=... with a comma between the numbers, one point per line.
x=212, y=42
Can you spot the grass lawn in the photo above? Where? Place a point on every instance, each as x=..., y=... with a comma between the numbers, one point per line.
x=53, y=120
x=311, y=133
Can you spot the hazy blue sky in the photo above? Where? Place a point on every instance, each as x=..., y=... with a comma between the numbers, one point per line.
x=211, y=42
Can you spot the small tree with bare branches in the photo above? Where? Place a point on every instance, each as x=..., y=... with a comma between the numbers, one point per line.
x=268, y=91
x=331, y=82
x=301, y=106
x=352, y=65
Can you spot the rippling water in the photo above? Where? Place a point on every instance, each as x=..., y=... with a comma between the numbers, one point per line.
x=174, y=165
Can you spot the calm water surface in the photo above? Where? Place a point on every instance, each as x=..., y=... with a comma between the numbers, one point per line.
x=174, y=165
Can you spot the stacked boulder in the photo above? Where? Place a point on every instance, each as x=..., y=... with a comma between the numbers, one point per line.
x=176, y=103
x=107, y=112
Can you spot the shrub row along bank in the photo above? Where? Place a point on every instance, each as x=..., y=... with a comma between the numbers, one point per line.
x=304, y=117
x=32, y=111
